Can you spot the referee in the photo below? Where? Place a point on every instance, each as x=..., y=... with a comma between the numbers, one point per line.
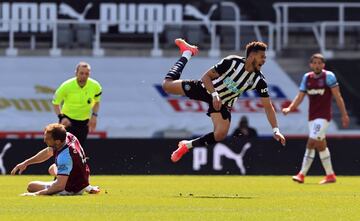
x=76, y=102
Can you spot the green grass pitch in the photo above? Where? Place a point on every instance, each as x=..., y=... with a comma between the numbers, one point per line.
x=188, y=198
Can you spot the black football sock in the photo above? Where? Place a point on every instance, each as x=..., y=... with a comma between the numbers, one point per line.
x=205, y=140
x=175, y=72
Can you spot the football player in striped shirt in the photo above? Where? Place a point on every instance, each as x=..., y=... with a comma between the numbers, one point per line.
x=220, y=87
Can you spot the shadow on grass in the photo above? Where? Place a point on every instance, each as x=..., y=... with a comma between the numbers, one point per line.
x=190, y=195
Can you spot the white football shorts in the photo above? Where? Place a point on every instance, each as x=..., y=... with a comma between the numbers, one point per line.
x=317, y=128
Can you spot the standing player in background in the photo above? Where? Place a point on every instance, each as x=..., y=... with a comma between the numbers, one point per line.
x=220, y=86
x=72, y=176
x=76, y=102
x=320, y=85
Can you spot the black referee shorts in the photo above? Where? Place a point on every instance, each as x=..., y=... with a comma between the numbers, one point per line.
x=79, y=128
x=194, y=90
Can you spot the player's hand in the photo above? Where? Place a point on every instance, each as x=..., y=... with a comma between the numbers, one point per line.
x=20, y=167
x=66, y=122
x=92, y=123
x=279, y=137
x=29, y=194
x=216, y=102
x=345, y=120
x=286, y=110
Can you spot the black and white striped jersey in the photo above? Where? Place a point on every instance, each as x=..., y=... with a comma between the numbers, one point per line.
x=234, y=80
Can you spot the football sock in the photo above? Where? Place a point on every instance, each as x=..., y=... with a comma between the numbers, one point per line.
x=326, y=161
x=205, y=140
x=188, y=143
x=175, y=72
x=307, y=160
x=187, y=54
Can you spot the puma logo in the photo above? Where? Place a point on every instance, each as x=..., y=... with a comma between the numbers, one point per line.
x=65, y=9
x=2, y=154
x=194, y=12
x=221, y=150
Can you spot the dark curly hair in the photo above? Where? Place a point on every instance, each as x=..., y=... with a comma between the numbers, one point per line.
x=255, y=46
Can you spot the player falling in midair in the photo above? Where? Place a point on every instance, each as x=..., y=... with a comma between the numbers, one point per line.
x=220, y=87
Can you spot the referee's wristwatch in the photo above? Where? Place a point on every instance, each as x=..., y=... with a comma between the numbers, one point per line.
x=94, y=114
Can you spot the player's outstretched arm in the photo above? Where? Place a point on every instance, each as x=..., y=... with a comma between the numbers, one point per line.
x=40, y=157
x=295, y=103
x=56, y=187
x=271, y=116
x=341, y=104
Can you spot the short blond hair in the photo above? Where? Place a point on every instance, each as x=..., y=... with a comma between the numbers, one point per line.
x=82, y=64
x=319, y=56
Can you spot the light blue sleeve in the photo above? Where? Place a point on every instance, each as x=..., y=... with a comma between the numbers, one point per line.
x=64, y=163
x=303, y=83
x=331, y=80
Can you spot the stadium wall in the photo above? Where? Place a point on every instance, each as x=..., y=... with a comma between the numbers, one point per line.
x=152, y=156
x=133, y=103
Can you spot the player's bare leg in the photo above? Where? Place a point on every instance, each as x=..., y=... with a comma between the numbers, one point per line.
x=173, y=87
x=35, y=186
x=221, y=126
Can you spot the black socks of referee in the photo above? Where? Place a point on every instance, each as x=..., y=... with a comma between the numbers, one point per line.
x=205, y=140
x=175, y=72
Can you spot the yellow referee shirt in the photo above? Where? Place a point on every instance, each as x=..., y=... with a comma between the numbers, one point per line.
x=77, y=102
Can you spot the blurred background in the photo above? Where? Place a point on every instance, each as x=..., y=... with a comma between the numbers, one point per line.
x=130, y=47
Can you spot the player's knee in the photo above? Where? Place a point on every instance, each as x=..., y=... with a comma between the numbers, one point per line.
x=31, y=187
x=220, y=135
x=166, y=85
x=311, y=144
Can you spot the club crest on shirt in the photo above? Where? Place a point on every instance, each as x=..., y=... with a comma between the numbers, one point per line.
x=187, y=87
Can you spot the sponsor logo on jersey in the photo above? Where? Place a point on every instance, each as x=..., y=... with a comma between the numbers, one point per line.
x=231, y=85
x=316, y=91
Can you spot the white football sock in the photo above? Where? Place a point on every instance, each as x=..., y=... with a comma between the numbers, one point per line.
x=188, y=143
x=187, y=54
x=307, y=160
x=326, y=161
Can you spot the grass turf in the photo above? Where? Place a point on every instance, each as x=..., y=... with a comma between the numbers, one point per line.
x=188, y=198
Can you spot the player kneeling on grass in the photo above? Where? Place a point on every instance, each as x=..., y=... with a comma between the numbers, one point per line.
x=70, y=168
